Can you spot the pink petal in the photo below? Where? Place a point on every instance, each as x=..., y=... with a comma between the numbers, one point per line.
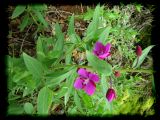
x=95, y=52
x=90, y=88
x=83, y=73
x=98, y=46
x=93, y=77
x=78, y=84
x=107, y=48
x=104, y=56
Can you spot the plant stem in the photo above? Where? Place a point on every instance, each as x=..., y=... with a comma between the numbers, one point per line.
x=34, y=18
x=90, y=67
x=110, y=82
x=78, y=66
x=137, y=61
x=133, y=70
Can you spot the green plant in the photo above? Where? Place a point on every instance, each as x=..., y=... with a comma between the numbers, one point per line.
x=40, y=84
x=31, y=14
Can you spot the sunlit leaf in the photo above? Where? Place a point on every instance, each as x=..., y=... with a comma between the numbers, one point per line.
x=44, y=101
x=138, y=7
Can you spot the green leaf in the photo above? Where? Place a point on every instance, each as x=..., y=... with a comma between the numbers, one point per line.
x=61, y=92
x=54, y=78
x=33, y=65
x=68, y=52
x=103, y=37
x=77, y=101
x=148, y=104
x=74, y=38
x=44, y=101
x=39, y=7
x=142, y=57
x=99, y=65
x=28, y=90
x=70, y=30
x=24, y=23
x=58, y=30
x=54, y=54
x=104, y=84
x=14, y=109
x=28, y=108
x=40, y=18
x=86, y=99
x=93, y=26
x=69, y=84
x=18, y=11
x=89, y=14
x=138, y=7
x=39, y=46
x=60, y=38
x=20, y=75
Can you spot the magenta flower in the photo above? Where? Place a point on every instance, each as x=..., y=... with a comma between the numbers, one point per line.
x=102, y=51
x=138, y=50
x=111, y=94
x=86, y=81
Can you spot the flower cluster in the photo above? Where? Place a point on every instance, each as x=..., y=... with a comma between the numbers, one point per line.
x=87, y=80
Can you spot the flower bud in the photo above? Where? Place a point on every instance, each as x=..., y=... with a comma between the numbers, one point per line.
x=138, y=50
x=111, y=94
x=117, y=74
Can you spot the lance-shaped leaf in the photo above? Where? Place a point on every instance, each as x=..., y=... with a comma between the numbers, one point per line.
x=18, y=11
x=103, y=37
x=142, y=57
x=99, y=65
x=44, y=101
x=70, y=30
x=40, y=17
x=93, y=26
x=56, y=77
x=60, y=40
x=69, y=83
x=77, y=101
x=33, y=65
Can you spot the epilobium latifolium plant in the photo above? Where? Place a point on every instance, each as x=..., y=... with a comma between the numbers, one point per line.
x=100, y=73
